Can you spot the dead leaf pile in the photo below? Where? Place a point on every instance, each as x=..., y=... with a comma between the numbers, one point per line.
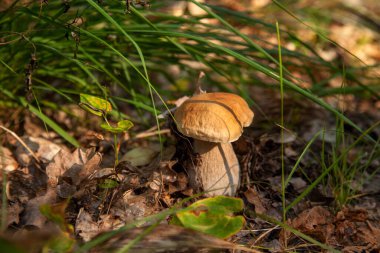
x=99, y=198
x=350, y=229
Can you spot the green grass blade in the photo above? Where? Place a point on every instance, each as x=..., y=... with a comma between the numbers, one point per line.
x=331, y=167
x=307, y=147
x=50, y=123
x=298, y=233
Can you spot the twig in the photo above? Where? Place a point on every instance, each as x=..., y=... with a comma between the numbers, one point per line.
x=153, y=133
x=264, y=234
x=22, y=142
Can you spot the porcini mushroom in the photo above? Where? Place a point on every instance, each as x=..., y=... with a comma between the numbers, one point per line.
x=214, y=120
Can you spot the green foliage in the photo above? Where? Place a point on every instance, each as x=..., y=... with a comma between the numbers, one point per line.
x=213, y=216
x=349, y=166
x=81, y=46
x=329, y=167
x=122, y=126
x=95, y=105
x=102, y=108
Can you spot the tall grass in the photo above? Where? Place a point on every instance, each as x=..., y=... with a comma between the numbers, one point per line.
x=113, y=52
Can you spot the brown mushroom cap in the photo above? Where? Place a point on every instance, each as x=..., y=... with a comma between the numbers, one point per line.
x=213, y=117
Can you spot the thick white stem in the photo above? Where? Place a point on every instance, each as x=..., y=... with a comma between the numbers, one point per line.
x=217, y=171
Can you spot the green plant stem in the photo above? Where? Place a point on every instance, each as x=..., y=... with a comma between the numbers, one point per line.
x=283, y=185
x=115, y=143
x=298, y=233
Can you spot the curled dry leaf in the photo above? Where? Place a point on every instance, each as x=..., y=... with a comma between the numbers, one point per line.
x=85, y=227
x=72, y=168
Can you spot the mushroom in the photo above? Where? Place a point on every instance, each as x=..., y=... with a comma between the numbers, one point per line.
x=214, y=120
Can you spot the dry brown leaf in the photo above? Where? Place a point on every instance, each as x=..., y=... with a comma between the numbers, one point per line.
x=7, y=162
x=371, y=235
x=357, y=214
x=254, y=198
x=33, y=216
x=73, y=168
x=316, y=221
x=44, y=149
x=13, y=213
x=85, y=227
x=139, y=156
x=24, y=184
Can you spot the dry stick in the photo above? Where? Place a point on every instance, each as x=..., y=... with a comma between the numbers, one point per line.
x=22, y=142
x=149, y=134
x=264, y=234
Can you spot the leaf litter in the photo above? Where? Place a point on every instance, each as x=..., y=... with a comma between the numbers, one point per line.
x=147, y=180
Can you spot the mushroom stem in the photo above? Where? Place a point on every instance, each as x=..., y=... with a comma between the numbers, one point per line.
x=217, y=171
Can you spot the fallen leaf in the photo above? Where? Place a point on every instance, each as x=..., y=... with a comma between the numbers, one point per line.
x=212, y=216
x=33, y=216
x=13, y=213
x=255, y=199
x=139, y=156
x=44, y=149
x=72, y=167
x=7, y=162
x=85, y=227
x=316, y=221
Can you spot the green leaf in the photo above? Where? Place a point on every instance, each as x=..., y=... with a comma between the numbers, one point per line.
x=108, y=184
x=50, y=123
x=125, y=124
x=95, y=105
x=213, y=216
x=122, y=126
